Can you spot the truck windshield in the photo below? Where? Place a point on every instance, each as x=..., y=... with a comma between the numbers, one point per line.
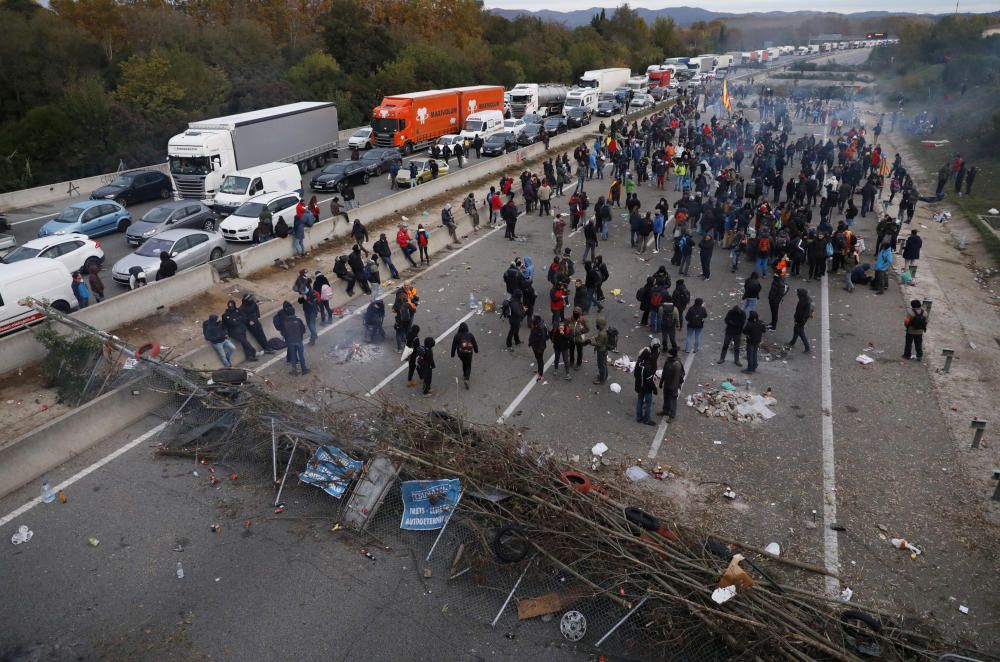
x=190, y=165
x=233, y=184
x=475, y=125
x=382, y=125
x=520, y=98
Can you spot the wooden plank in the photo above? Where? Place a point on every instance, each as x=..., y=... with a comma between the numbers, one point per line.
x=550, y=603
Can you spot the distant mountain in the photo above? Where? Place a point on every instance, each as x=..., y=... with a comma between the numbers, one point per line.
x=682, y=16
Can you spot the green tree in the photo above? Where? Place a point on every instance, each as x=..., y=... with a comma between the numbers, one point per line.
x=317, y=76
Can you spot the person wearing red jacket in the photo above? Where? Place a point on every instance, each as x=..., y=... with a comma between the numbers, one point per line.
x=423, y=239
x=557, y=304
x=405, y=244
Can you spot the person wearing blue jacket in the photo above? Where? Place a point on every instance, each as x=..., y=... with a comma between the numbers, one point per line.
x=882, y=264
x=659, y=223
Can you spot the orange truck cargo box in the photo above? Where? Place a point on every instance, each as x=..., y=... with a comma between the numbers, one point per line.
x=415, y=120
x=479, y=97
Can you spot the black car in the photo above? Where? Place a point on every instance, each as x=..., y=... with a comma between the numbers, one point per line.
x=531, y=134
x=500, y=143
x=331, y=177
x=579, y=116
x=138, y=186
x=377, y=161
x=608, y=108
x=555, y=124
x=533, y=118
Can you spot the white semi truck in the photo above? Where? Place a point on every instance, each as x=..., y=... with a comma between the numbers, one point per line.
x=604, y=80
x=545, y=99
x=703, y=64
x=303, y=133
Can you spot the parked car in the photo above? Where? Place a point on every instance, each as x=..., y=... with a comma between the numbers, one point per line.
x=330, y=178
x=423, y=171
x=500, y=143
x=532, y=118
x=641, y=102
x=531, y=134
x=188, y=248
x=90, y=217
x=77, y=251
x=241, y=225
x=555, y=125
x=170, y=216
x=514, y=125
x=138, y=186
x=362, y=138
x=47, y=280
x=608, y=108
x=449, y=141
x=579, y=116
x=377, y=161
x=658, y=93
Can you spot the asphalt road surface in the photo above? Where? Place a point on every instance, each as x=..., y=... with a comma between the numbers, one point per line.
x=837, y=451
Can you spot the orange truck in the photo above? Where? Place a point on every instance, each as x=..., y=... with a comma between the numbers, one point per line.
x=415, y=120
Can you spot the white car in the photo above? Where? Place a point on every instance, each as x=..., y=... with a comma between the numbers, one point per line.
x=241, y=225
x=514, y=125
x=450, y=140
x=362, y=138
x=77, y=251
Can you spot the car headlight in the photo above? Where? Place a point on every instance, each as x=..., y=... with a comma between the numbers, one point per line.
x=149, y=233
x=109, y=196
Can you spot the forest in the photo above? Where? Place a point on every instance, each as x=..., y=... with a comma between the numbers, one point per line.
x=90, y=84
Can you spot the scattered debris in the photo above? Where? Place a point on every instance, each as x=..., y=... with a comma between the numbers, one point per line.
x=901, y=543
x=92, y=541
x=774, y=549
x=636, y=473
x=616, y=388
x=573, y=625
x=846, y=594
x=732, y=405
x=722, y=595
x=864, y=359
x=963, y=609
x=23, y=534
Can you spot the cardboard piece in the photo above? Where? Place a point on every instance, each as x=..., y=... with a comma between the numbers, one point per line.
x=550, y=603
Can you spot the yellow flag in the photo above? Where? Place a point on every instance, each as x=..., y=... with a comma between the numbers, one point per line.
x=726, y=101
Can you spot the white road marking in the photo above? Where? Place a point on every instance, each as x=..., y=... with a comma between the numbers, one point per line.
x=661, y=431
x=270, y=362
x=524, y=392
x=145, y=436
x=36, y=218
x=830, y=540
x=398, y=371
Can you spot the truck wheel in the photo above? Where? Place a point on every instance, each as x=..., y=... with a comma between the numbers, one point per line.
x=165, y=193
x=303, y=168
x=408, y=149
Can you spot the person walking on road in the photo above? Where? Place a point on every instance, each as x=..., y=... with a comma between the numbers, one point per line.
x=558, y=231
x=705, y=248
x=735, y=321
x=775, y=295
x=424, y=359
x=671, y=379
x=516, y=309
x=754, y=331
x=562, y=339
x=916, y=324
x=464, y=345
x=803, y=312
x=645, y=386
x=883, y=262
x=601, y=344
x=293, y=330
x=214, y=331
x=751, y=293
x=695, y=318
x=412, y=343
x=580, y=328
x=537, y=340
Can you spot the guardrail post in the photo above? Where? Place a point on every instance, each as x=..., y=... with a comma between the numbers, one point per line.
x=979, y=426
x=996, y=477
x=949, y=355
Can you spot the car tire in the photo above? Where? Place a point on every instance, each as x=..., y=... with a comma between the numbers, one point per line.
x=121, y=200
x=215, y=254
x=209, y=226
x=254, y=239
x=123, y=225
x=165, y=193
x=364, y=178
x=510, y=544
x=368, y=145
x=92, y=260
x=61, y=306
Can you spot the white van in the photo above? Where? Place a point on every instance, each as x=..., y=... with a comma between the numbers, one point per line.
x=38, y=277
x=483, y=123
x=242, y=185
x=581, y=97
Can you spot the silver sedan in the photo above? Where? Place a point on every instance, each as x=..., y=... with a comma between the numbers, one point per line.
x=188, y=248
x=170, y=216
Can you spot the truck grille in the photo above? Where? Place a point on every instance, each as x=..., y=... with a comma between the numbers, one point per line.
x=191, y=187
x=384, y=140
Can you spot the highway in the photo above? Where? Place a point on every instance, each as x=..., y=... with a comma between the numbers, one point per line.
x=26, y=222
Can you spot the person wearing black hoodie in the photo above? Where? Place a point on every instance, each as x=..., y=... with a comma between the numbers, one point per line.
x=293, y=330
x=413, y=342
x=357, y=264
x=251, y=313
x=464, y=344
x=319, y=282
x=705, y=248
x=696, y=322
x=236, y=327
x=735, y=320
x=774, y=297
x=751, y=293
x=215, y=333
x=803, y=311
x=645, y=386
x=381, y=248
x=671, y=379
x=425, y=363
x=537, y=340
x=681, y=298
x=754, y=331
x=516, y=317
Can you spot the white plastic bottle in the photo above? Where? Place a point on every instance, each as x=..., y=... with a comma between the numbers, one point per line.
x=473, y=304
x=48, y=496
x=180, y=570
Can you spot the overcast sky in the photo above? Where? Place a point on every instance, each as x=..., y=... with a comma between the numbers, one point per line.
x=843, y=6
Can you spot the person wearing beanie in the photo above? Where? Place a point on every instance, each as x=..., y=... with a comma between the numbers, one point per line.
x=915, y=323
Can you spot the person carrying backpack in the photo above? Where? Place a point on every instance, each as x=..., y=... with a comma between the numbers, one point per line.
x=424, y=361
x=916, y=324
x=645, y=386
x=695, y=318
x=464, y=344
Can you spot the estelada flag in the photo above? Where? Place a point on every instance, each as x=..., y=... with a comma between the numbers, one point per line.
x=726, y=101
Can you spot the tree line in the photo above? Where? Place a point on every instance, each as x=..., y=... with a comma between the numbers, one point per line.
x=87, y=84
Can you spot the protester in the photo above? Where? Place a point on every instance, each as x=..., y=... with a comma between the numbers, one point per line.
x=671, y=379
x=915, y=323
x=464, y=345
x=214, y=331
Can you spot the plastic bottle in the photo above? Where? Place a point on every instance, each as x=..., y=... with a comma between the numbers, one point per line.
x=901, y=543
x=473, y=304
x=48, y=496
x=180, y=570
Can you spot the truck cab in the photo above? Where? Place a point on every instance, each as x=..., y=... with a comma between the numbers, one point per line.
x=199, y=160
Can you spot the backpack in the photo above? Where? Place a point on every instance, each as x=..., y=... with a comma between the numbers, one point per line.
x=612, y=339
x=829, y=249
x=308, y=218
x=764, y=245
x=505, y=309
x=326, y=293
x=404, y=313
x=465, y=345
x=655, y=297
x=419, y=358
x=918, y=322
x=281, y=228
